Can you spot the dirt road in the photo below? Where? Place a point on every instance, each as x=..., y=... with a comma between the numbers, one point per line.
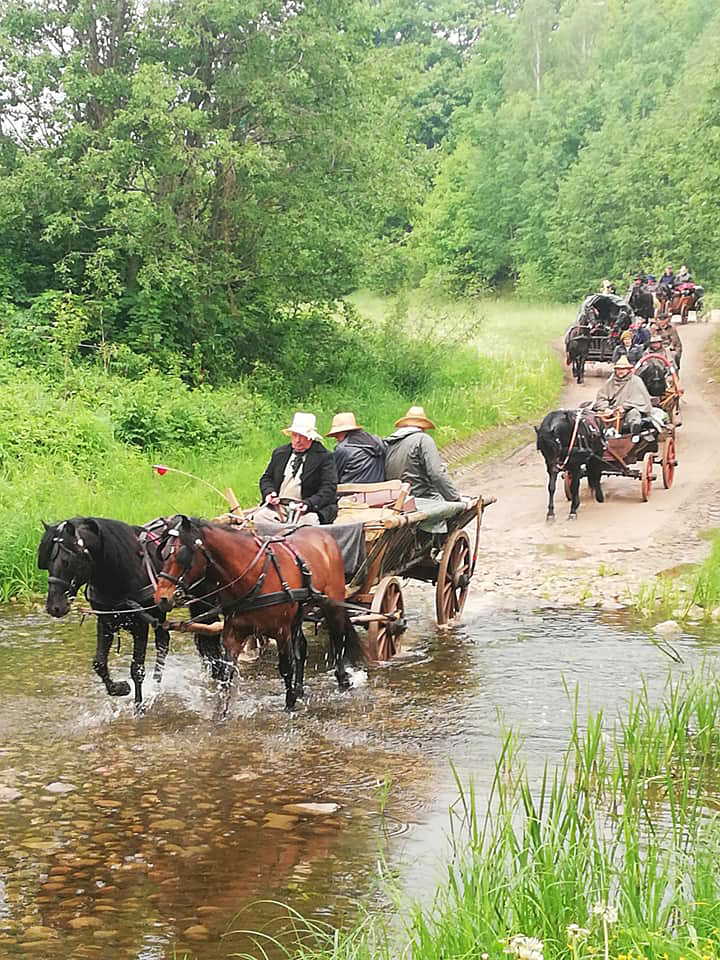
x=611, y=547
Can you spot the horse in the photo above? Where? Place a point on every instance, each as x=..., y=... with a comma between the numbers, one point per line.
x=117, y=564
x=570, y=440
x=577, y=347
x=263, y=586
x=653, y=370
x=641, y=300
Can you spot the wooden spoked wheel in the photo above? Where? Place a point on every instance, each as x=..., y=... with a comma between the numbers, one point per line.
x=567, y=482
x=646, y=477
x=668, y=463
x=384, y=635
x=453, y=577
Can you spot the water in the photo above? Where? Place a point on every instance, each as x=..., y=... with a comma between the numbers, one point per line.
x=176, y=831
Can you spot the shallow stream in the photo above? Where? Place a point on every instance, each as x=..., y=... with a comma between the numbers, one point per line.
x=174, y=832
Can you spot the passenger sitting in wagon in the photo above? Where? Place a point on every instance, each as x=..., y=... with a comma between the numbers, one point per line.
x=300, y=473
x=411, y=455
x=625, y=393
x=627, y=348
x=671, y=339
x=359, y=455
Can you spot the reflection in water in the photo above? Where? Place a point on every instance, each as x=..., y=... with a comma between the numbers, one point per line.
x=169, y=829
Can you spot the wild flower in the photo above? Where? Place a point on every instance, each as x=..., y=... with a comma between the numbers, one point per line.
x=607, y=911
x=525, y=948
x=576, y=932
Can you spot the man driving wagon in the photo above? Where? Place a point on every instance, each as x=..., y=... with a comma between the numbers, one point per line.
x=624, y=399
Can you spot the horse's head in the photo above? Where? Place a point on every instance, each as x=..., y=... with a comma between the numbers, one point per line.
x=553, y=437
x=184, y=563
x=66, y=552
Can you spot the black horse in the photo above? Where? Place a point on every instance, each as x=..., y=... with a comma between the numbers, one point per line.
x=117, y=563
x=654, y=374
x=571, y=440
x=577, y=347
x=642, y=301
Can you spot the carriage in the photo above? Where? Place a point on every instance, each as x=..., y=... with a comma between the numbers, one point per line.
x=606, y=315
x=431, y=545
x=625, y=457
x=385, y=540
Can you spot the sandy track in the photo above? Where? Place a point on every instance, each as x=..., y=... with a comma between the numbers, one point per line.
x=614, y=546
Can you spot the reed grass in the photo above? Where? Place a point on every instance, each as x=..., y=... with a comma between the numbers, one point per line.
x=612, y=852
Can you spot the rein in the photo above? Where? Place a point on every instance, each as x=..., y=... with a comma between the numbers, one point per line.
x=578, y=418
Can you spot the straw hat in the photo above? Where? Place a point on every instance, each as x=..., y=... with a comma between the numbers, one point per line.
x=415, y=417
x=304, y=424
x=343, y=423
x=622, y=363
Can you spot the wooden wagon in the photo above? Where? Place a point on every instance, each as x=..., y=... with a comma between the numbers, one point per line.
x=625, y=457
x=402, y=544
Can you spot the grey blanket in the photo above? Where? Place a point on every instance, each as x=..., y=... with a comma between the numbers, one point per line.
x=350, y=538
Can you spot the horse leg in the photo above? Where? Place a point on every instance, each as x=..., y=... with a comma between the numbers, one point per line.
x=594, y=473
x=285, y=666
x=581, y=368
x=105, y=636
x=300, y=656
x=552, y=481
x=137, y=667
x=162, y=648
x=574, y=494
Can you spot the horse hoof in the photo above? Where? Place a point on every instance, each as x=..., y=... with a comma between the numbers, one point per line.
x=550, y=518
x=300, y=693
x=573, y=516
x=139, y=709
x=119, y=689
x=290, y=701
x=599, y=496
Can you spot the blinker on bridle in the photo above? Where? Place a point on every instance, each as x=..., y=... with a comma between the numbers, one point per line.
x=71, y=587
x=181, y=589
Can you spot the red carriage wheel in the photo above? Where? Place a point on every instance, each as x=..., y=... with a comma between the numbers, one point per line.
x=453, y=577
x=646, y=477
x=384, y=635
x=567, y=480
x=668, y=463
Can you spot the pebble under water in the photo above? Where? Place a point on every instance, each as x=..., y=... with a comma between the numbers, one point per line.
x=170, y=833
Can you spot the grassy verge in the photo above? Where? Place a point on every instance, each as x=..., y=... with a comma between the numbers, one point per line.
x=77, y=438
x=613, y=853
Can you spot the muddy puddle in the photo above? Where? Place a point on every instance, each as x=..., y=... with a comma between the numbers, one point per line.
x=171, y=832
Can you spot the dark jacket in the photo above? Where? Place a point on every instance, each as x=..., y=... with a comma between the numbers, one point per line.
x=360, y=458
x=319, y=479
x=667, y=280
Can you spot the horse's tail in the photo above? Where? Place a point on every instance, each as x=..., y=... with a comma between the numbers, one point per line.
x=355, y=648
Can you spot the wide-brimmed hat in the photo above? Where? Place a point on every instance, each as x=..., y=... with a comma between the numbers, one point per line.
x=343, y=423
x=415, y=417
x=304, y=424
x=622, y=363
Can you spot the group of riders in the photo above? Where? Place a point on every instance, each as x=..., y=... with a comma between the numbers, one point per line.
x=662, y=289
x=646, y=356
x=302, y=476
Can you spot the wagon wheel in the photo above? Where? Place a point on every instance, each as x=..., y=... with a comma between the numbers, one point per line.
x=453, y=577
x=567, y=482
x=384, y=635
x=668, y=463
x=646, y=477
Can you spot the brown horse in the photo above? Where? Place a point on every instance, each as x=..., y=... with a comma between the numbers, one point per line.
x=263, y=586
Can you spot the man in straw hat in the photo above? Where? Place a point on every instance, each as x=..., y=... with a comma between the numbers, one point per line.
x=301, y=473
x=359, y=455
x=624, y=392
x=411, y=455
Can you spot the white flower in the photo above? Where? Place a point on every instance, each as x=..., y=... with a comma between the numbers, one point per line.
x=525, y=948
x=608, y=912
x=574, y=931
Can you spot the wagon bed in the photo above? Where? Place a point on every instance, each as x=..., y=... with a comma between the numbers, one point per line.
x=429, y=544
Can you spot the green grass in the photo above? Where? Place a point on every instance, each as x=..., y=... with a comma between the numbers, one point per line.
x=77, y=440
x=619, y=839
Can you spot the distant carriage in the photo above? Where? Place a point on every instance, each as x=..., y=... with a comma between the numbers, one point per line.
x=601, y=319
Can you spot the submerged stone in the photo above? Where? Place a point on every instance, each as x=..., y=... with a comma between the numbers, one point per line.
x=58, y=786
x=197, y=932
x=8, y=794
x=667, y=628
x=312, y=809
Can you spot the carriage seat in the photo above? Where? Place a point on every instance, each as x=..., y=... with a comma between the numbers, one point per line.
x=394, y=494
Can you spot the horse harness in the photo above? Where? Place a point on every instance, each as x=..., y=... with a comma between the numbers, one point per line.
x=584, y=447
x=253, y=599
x=72, y=586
